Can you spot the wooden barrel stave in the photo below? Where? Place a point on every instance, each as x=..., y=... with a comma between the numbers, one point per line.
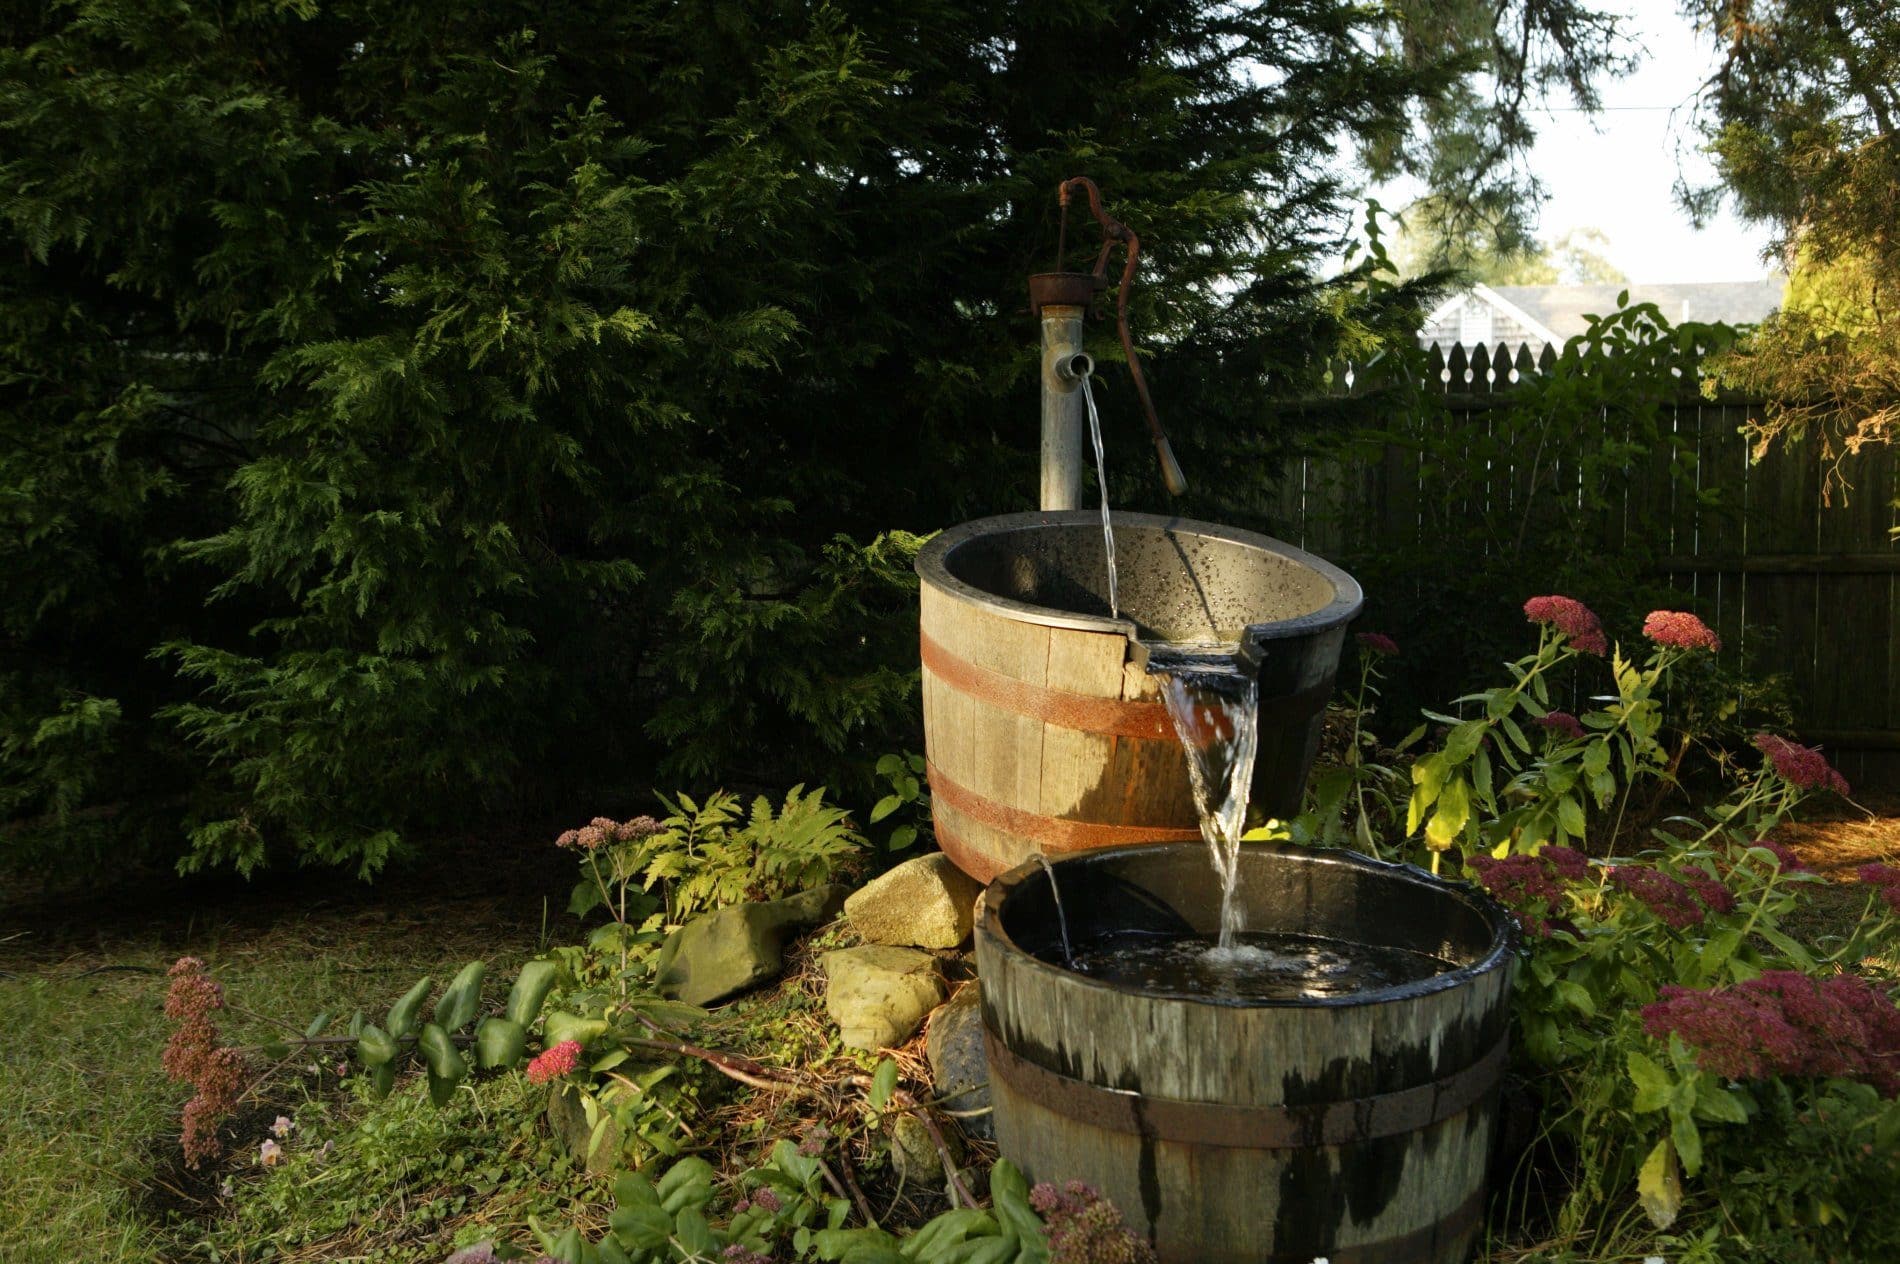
x=1269, y=1134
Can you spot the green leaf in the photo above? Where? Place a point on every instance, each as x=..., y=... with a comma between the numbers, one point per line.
x=402, y=1015
x=890, y=765
x=1717, y=1104
x=1688, y=1140
x=1659, y=1187
x=1428, y=780
x=883, y=1084
x=1463, y=740
x=1577, y=997
x=688, y=1182
x=1653, y=1086
x=317, y=1025
x=382, y=1078
x=444, y=1060
x=1570, y=816
x=692, y=1232
x=462, y=999
x=1454, y=809
x=530, y=990
x=903, y=836
x=561, y=1025
x=374, y=1047
x=641, y=1227
x=885, y=806
x=499, y=1042
x=585, y=897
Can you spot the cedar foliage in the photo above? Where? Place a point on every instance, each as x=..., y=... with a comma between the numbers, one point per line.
x=412, y=409
x=1800, y=118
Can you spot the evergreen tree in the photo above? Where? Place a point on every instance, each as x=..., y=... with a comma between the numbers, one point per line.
x=1800, y=118
x=412, y=408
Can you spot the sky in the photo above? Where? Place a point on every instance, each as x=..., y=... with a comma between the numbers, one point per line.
x=1615, y=172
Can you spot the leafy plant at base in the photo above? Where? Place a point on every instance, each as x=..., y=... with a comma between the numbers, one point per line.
x=904, y=774
x=704, y=856
x=1635, y=964
x=785, y=1211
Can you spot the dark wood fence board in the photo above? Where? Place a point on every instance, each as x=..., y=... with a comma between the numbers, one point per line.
x=1791, y=584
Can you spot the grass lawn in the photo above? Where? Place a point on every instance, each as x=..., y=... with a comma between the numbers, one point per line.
x=89, y=1158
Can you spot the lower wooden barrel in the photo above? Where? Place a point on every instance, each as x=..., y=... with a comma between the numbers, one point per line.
x=1043, y=729
x=1354, y=1128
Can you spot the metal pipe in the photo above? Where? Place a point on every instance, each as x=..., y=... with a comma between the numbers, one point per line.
x=1064, y=365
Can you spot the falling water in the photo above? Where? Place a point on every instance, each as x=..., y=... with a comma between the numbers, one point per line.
x=1214, y=700
x=1101, y=483
x=1062, y=919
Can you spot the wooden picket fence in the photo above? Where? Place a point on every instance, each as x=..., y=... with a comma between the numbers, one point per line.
x=1799, y=568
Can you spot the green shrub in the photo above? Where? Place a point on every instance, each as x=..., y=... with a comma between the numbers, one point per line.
x=457, y=407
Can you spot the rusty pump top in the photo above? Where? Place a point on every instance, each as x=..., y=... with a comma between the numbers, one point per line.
x=1060, y=300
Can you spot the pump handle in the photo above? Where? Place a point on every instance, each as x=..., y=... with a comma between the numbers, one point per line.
x=1113, y=230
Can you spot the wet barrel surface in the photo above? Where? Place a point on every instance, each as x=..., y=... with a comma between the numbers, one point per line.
x=1348, y=1123
x=1044, y=731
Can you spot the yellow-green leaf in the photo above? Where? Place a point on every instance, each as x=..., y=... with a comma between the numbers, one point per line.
x=1659, y=1187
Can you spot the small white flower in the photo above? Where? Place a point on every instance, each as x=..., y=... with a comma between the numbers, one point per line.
x=1654, y=1259
x=282, y=1127
x=270, y=1154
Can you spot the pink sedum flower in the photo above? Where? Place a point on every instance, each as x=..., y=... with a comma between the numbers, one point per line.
x=1885, y=879
x=1802, y=767
x=1680, y=630
x=554, y=1062
x=1378, y=643
x=1578, y=624
x=1786, y=1023
x=1562, y=722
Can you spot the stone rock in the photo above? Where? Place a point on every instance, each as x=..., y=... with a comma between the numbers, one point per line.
x=720, y=954
x=567, y=1120
x=914, y=1153
x=926, y=902
x=959, y=1068
x=878, y=994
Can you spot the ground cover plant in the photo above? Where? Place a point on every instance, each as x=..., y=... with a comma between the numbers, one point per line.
x=1705, y=1067
x=1707, y=1082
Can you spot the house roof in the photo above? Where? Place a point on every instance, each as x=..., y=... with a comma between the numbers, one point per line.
x=1562, y=308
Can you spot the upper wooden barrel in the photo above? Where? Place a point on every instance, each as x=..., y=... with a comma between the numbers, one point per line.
x=1355, y=1127
x=1043, y=728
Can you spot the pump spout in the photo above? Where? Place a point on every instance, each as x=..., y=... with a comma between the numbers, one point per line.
x=1075, y=292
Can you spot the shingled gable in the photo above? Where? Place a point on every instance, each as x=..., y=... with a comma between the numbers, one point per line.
x=1541, y=315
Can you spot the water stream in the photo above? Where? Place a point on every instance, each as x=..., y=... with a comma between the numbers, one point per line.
x=1062, y=918
x=1101, y=485
x=1213, y=697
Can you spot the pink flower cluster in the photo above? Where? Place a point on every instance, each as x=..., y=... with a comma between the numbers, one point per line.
x=602, y=830
x=1378, y=643
x=554, y=1062
x=194, y=1056
x=1675, y=903
x=1680, y=630
x=1802, y=767
x=1784, y=854
x=1531, y=886
x=739, y=1253
x=1085, y=1228
x=1562, y=722
x=1885, y=879
x=1571, y=617
x=1786, y=1023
